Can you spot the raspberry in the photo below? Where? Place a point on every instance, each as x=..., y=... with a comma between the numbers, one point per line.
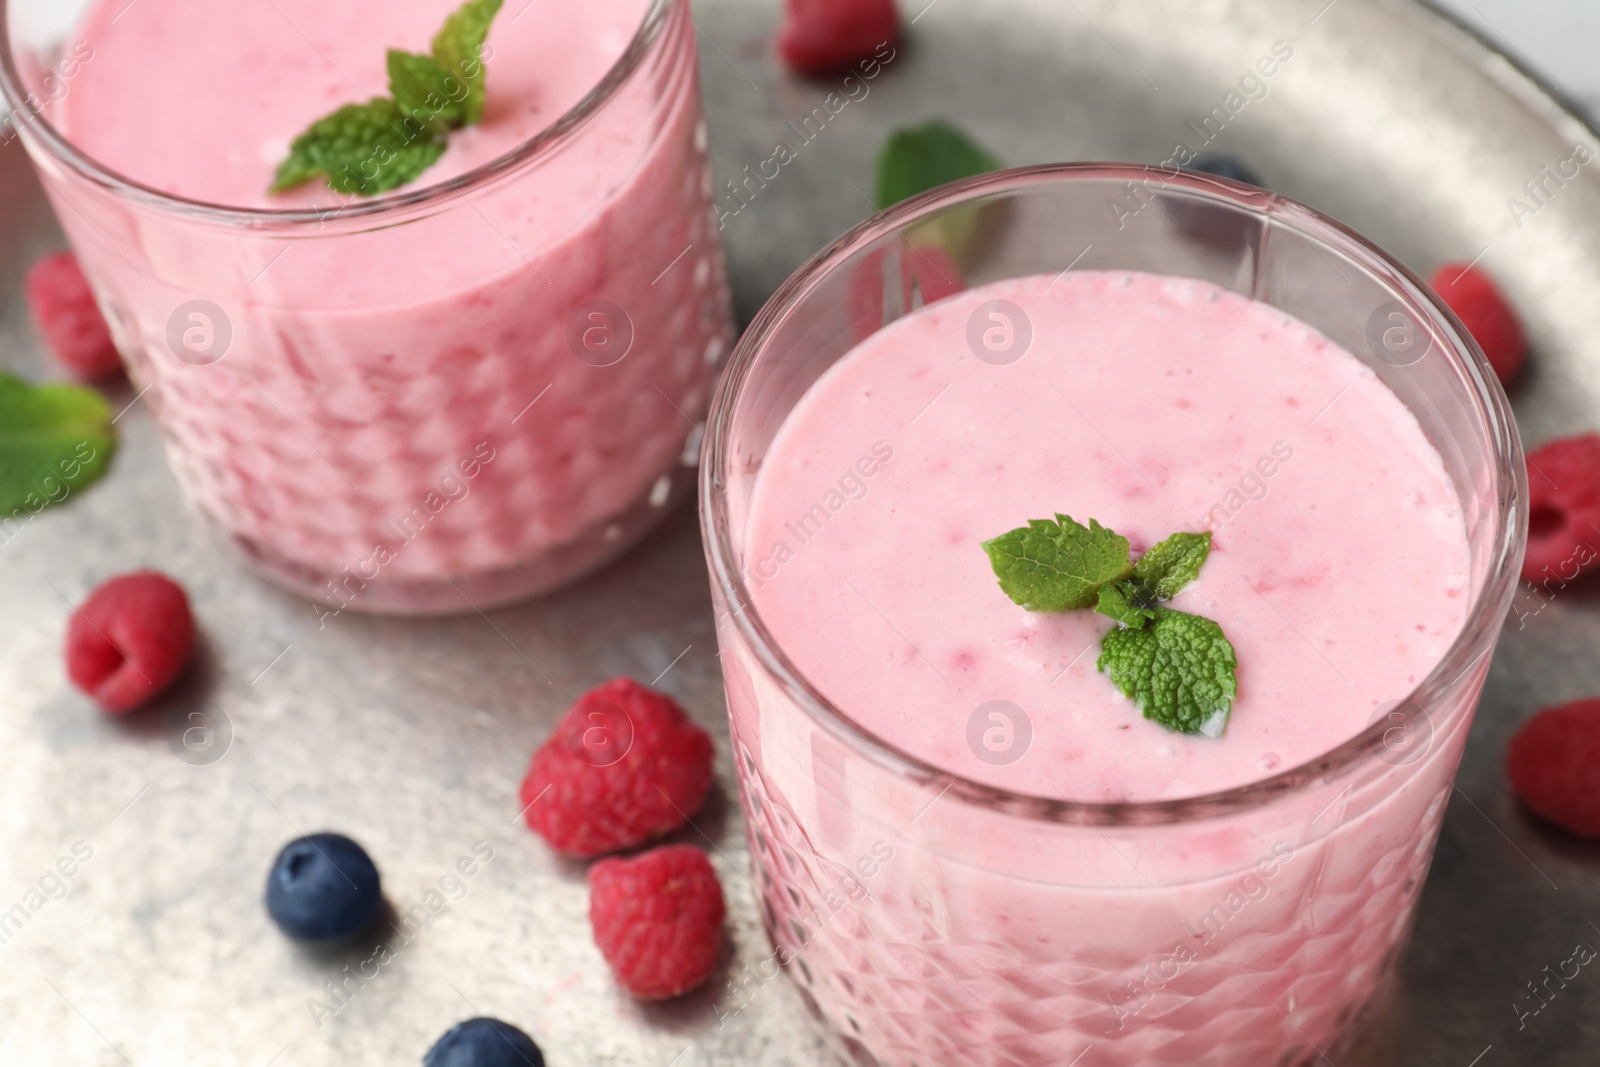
x=1554, y=765
x=66, y=315
x=1477, y=302
x=624, y=765
x=657, y=918
x=129, y=640
x=1563, y=509
x=823, y=35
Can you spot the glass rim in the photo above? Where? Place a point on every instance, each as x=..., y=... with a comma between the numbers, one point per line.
x=1508, y=495
x=14, y=93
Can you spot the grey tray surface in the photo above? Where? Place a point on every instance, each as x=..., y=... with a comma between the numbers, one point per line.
x=412, y=735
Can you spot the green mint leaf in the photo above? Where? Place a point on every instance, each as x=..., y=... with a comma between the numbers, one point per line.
x=424, y=91
x=1060, y=565
x=459, y=47
x=366, y=149
x=1123, y=601
x=919, y=158
x=363, y=149
x=1172, y=564
x=1179, y=670
x=54, y=439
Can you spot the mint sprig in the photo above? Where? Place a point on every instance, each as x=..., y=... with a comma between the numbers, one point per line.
x=1060, y=565
x=459, y=46
x=362, y=150
x=423, y=89
x=1179, y=669
x=389, y=141
x=1124, y=602
x=1172, y=564
x=919, y=158
x=54, y=440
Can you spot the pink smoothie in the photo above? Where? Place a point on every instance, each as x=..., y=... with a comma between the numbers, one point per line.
x=1339, y=556
x=933, y=925
x=263, y=72
x=497, y=391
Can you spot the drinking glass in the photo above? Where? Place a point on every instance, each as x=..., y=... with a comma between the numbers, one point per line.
x=930, y=919
x=518, y=405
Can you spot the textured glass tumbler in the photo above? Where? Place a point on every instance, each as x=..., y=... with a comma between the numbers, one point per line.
x=931, y=920
x=517, y=409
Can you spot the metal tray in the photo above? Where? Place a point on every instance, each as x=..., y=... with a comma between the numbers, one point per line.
x=412, y=735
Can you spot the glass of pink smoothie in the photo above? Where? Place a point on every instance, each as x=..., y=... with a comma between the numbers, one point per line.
x=460, y=393
x=970, y=848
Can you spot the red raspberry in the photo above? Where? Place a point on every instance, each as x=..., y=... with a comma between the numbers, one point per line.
x=1554, y=765
x=820, y=36
x=624, y=765
x=1563, y=509
x=1478, y=303
x=129, y=640
x=66, y=315
x=657, y=918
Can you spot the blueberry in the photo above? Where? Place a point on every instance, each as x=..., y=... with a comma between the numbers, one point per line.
x=1226, y=167
x=484, y=1043
x=323, y=888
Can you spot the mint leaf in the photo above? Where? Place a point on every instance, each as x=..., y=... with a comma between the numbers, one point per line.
x=459, y=46
x=1179, y=670
x=361, y=148
x=1058, y=566
x=1122, y=601
x=53, y=439
x=424, y=91
x=920, y=158
x=917, y=159
x=1172, y=564
x=370, y=148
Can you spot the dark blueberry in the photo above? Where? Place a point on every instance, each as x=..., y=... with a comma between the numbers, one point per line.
x=484, y=1043
x=1226, y=167
x=323, y=888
